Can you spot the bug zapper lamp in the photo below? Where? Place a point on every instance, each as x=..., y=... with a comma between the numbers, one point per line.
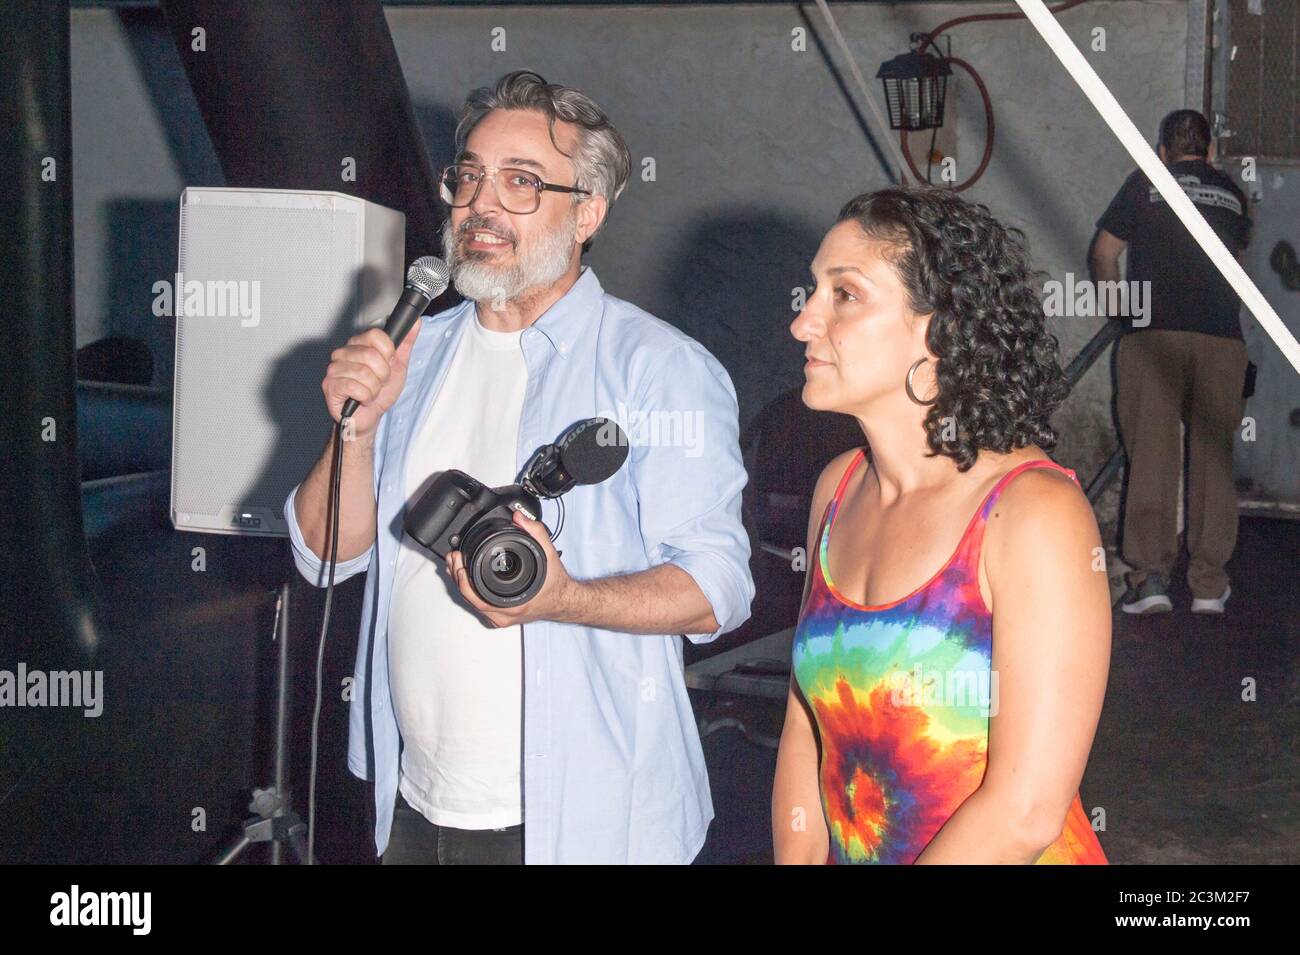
x=915, y=84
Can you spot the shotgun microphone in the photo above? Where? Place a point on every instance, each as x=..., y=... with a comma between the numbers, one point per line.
x=588, y=452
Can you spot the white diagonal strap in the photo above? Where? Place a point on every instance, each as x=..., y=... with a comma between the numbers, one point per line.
x=1105, y=104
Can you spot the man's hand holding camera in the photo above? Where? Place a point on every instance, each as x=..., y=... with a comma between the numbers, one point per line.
x=556, y=601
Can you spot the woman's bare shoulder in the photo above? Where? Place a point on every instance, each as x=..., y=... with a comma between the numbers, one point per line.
x=1042, y=507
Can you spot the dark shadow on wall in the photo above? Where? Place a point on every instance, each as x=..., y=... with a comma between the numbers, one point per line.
x=190, y=683
x=143, y=237
x=292, y=401
x=438, y=128
x=730, y=285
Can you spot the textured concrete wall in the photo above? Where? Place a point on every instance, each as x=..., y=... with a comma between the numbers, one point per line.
x=1270, y=464
x=754, y=146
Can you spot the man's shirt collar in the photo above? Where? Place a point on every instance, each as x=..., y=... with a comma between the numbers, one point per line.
x=569, y=316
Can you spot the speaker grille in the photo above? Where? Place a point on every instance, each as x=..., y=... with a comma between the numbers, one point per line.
x=249, y=418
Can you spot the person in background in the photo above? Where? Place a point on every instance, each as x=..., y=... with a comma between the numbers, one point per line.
x=1185, y=361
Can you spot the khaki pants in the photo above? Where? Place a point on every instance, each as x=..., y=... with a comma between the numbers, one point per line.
x=1162, y=377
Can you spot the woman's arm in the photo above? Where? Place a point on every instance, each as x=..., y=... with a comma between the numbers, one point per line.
x=799, y=834
x=1051, y=654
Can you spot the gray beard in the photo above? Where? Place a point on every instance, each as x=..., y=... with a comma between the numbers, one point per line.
x=539, y=266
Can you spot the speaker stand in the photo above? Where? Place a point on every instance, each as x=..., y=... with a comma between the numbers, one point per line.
x=275, y=822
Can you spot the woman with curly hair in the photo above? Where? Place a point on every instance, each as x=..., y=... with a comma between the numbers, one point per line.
x=951, y=724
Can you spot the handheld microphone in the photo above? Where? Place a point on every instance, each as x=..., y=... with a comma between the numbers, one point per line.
x=426, y=279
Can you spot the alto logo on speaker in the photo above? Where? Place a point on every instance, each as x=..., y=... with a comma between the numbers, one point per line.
x=245, y=520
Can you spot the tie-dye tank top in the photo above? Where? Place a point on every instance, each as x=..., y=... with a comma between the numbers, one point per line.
x=901, y=694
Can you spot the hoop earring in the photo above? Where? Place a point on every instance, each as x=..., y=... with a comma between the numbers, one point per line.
x=908, y=384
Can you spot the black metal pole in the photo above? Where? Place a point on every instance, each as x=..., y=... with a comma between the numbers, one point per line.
x=50, y=608
x=282, y=711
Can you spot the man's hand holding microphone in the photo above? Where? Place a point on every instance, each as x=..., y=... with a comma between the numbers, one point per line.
x=363, y=380
x=370, y=370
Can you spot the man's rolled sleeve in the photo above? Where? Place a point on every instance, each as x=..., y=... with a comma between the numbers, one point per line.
x=728, y=594
x=686, y=466
x=315, y=570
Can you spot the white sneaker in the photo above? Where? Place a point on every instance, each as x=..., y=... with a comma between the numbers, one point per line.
x=1210, y=604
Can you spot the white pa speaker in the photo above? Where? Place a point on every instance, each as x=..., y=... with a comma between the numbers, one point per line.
x=268, y=283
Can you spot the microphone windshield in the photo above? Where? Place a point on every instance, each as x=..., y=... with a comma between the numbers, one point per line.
x=430, y=275
x=592, y=450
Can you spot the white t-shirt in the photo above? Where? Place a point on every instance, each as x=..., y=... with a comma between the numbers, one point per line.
x=457, y=683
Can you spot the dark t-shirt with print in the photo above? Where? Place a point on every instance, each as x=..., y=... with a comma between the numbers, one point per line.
x=1187, y=292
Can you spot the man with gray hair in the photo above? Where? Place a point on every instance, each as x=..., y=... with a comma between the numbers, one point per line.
x=558, y=730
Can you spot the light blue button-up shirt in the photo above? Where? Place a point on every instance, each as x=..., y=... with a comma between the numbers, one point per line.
x=613, y=771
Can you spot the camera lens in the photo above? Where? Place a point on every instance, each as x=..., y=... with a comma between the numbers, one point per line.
x=506, y=566
x=505, y=563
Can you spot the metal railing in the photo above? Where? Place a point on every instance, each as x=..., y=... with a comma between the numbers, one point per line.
x=1074, y=372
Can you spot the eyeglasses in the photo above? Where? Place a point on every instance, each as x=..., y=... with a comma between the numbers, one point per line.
x=518, y=190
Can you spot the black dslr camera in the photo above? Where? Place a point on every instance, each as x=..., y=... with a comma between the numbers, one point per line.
x=506, y=566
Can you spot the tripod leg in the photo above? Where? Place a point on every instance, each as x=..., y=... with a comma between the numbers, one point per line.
x=281, y=704
x=282, y=690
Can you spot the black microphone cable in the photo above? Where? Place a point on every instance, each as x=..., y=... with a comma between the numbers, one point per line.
x=560, y=525
x=332, y=529
x=426, y=279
